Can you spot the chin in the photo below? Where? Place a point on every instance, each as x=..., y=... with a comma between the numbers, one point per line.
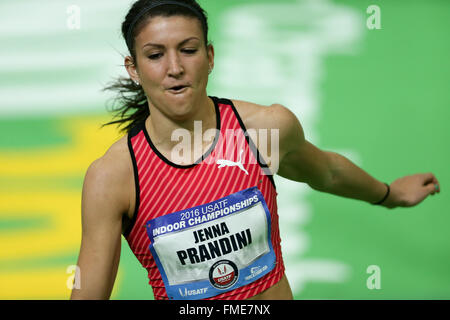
x=182, y=110
x=180, y=101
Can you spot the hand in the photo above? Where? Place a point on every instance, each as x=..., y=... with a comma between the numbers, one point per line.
x=411, y=190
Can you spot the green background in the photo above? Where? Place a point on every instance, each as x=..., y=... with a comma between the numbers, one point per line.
x=387, y=100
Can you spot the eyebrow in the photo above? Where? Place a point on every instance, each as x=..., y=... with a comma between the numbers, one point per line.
x=162, y=46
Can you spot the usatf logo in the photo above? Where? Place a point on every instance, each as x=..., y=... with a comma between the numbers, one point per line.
x=256, y=271
x=223, y=274
x=193, y=292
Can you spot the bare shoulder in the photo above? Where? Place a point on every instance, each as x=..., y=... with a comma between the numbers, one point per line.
x=275, y=116
x=115, y=162
x=257, y=116
x=111, y=177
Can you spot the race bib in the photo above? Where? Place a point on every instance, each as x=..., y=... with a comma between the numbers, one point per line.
x=215, y=247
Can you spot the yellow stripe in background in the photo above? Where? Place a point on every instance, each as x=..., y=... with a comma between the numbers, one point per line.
x=35, y=185
x=62, y=209
x=88, y=143
x=46, y=284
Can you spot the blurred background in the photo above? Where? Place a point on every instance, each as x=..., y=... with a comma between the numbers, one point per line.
x=368, y=79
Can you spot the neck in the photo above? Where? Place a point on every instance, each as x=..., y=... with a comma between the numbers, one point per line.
x=161, y=127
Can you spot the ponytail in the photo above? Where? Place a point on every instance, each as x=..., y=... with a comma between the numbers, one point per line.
x=130, y=105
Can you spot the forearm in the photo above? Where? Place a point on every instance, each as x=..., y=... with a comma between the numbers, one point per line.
x=350, y=181
x=335, y=174
x=95, y=281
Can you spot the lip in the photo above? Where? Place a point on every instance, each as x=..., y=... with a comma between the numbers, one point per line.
x=178, y=91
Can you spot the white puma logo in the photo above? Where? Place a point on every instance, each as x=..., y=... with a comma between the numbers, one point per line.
x=222, y=163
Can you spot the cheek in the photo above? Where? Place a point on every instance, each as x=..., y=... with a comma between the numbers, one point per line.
x=151, y=73
x=200, y=68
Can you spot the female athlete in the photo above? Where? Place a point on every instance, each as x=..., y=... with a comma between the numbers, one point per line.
x=204, y=225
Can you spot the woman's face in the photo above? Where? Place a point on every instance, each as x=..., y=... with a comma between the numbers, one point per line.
x=171, y=53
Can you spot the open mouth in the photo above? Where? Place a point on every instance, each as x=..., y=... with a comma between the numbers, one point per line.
x=178, y=89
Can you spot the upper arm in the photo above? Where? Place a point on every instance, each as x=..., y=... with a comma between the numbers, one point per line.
x=300, y=160
x=294, y=157
x=103, y=205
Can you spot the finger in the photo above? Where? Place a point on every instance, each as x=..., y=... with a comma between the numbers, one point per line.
x=431, y=178
x=437, y=185
x=428, y=178
x=432, y=188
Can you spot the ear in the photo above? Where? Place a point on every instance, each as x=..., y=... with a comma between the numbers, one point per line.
x=131, y=69
x=210, y=52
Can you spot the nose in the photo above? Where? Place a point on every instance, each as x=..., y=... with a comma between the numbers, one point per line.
x=175, y=68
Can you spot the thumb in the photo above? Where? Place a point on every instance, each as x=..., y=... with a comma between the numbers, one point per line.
x=432, y=188
x=431, y=183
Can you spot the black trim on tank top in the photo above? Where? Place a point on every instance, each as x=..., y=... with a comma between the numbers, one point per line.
x=133, y=132
x=250, y=142
x=179, y=166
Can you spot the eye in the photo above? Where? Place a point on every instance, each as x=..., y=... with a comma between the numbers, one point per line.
x=155, y=56
x=189, y=51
